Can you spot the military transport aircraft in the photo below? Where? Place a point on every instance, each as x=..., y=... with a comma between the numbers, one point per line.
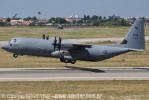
x=69, y=52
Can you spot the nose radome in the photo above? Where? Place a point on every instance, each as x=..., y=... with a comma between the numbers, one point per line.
x=4, y=45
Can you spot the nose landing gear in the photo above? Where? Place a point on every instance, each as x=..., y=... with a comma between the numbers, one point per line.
x=15, y=55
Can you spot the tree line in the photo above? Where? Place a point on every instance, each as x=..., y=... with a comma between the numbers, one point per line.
x=86, y=20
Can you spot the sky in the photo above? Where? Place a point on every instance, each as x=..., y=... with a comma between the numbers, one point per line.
x=65, y=8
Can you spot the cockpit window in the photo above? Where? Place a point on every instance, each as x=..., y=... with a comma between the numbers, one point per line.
x=13, y=41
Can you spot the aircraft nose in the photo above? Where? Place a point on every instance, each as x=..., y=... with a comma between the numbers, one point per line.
x=4, y=46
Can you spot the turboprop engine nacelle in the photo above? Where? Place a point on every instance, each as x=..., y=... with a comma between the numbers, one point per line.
x=56, y=54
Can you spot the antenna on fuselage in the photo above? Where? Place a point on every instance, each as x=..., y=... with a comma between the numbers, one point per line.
x=43, y=36
x=47, y=37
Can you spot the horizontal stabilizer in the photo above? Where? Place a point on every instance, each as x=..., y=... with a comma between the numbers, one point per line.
x=139, y=50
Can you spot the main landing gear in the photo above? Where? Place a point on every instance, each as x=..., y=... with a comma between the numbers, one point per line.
x=15, y=55
x=67, y=60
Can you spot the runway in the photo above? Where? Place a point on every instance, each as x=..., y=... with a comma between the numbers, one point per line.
x=73, y=74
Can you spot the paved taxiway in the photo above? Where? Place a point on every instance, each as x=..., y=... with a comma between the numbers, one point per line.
x=73, y=73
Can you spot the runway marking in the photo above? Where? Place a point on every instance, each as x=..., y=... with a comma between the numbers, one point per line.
x=74, y=78
x=68, y=74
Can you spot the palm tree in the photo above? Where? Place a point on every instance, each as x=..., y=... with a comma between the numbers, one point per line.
x=39, y=13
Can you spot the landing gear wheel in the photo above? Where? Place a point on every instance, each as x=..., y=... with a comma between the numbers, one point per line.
x=15, y=55
x=73, y=62
x=61, y=59
x=66, y=61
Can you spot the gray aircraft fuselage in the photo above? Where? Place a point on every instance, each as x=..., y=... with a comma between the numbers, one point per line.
x=40, y=47
x=69, y=51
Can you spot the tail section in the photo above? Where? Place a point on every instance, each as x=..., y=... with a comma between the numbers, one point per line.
x=135, y=39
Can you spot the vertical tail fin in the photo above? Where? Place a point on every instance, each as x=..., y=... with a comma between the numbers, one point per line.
x=135, y=39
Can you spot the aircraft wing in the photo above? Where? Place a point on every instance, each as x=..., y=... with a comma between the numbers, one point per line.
x=81, y=46
x=74, y=46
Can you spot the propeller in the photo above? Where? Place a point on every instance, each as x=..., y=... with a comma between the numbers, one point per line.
x=55, y=42
x=57, y=45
